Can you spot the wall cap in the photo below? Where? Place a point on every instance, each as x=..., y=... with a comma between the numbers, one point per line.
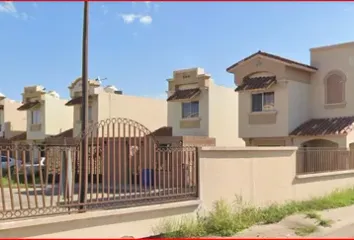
x=324, y=174
x=55, y=219
x=248, y=148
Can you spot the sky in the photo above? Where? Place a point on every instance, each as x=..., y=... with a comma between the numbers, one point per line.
x=138, y=45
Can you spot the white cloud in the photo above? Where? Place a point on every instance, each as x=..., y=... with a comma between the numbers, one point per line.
x=130, y=18
x=146, y=19
x=143, y=16
x=8, y=7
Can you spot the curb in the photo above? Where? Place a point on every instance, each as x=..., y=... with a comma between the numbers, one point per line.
x=326, y=231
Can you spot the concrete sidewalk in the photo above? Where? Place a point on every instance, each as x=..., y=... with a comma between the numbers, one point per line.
x=341, y=225
x=344, y=232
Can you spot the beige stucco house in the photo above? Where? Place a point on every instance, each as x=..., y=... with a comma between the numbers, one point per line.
x=46, y=113
x=283, y=102
x=199, y=107
x=109, y=103
x=12, y=122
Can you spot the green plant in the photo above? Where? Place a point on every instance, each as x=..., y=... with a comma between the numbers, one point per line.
x=221, y=220
x=325, y=222
x=225, y=219
x=187, y=227
x=305, y=230
x=313, y=215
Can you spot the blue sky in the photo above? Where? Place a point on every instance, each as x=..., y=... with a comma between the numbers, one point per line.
x=137, y=45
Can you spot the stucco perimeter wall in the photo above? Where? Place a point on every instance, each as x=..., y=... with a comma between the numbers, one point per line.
x=135, y=221
x=258, y=175
x=261, y=176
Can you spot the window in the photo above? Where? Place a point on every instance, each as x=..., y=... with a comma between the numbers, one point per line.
x=89, y=113
x=36, y=116
x=190, y=110
x=262, y=102
x=335, y=88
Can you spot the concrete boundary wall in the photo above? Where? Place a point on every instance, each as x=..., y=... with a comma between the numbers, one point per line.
x=258, y=175
x=134, y=221
x=261, y=176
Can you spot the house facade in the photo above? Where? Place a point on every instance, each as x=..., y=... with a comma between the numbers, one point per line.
x=46, y=113
x=108, y=103
x=287, y=103
x=199, y=107
x=12, y=122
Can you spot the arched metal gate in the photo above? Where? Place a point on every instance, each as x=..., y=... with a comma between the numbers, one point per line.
x=125, y=166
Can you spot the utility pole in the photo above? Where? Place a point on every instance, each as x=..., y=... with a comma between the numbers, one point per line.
x=84, y=109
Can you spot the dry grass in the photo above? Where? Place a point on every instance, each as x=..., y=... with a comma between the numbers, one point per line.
x=227, y=220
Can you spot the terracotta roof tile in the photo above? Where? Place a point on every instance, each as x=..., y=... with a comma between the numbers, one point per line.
x=162, y=131
x=28, y=106
x=66, y=134
x=62, y=138
x=19, y=137
x=75, y=101
x=275, y=57
x=325, y=126
x=256, y=83
x=184, y=94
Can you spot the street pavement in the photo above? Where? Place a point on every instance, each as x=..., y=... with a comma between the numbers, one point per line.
x=344, y=232
x=342, y=226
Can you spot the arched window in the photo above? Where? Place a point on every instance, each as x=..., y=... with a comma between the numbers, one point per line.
x=335, y=88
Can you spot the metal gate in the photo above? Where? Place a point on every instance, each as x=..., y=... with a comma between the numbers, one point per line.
x=125, y=166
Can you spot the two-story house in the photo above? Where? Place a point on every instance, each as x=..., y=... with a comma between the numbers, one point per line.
x=199, y=107
x=46, y=113
x=283, y=102
x=12, y=122
x=107, y=103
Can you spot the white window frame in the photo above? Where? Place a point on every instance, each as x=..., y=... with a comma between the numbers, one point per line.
x=191, y=114
x=263, y=107
x=36, y=116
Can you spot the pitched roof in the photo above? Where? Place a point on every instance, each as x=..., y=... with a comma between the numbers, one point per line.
x=28, y=106
x=19, y=137
x=325, y=126
x=256, y=83
x=184, y=94
x=162, y=131
x=272, y=56
x=76, y=101
x=66, y=134
x=63, y=138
